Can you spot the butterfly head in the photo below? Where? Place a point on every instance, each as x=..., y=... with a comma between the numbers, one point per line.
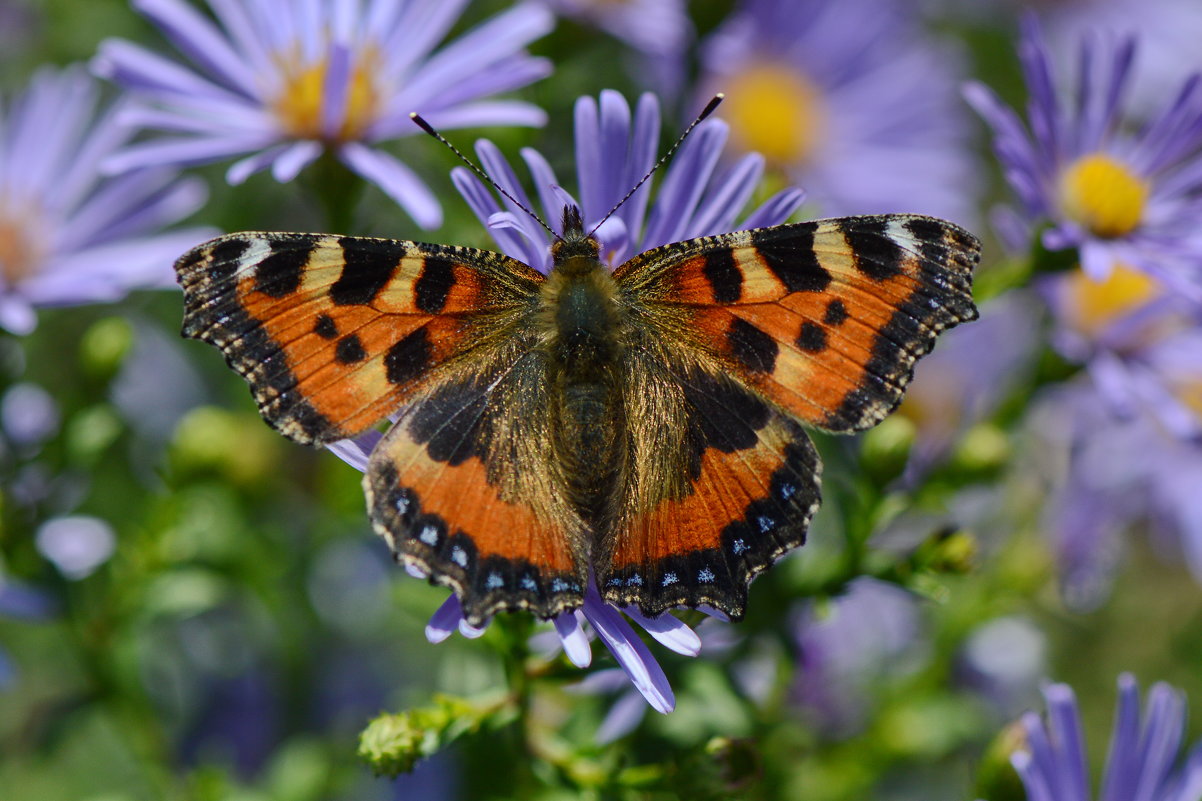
x=574, y=243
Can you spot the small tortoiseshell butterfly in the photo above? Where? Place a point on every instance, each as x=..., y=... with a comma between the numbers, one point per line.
x=642, y=425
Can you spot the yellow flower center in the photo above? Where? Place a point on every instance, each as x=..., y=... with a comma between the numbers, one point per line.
x=1103, y=194
x=20, y=253
x=774, y=110
x=299, y=107
x=1094, y=305
x=1191, y=395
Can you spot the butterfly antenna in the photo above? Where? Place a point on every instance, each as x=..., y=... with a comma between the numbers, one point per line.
x=705, y=112
x=425, y=126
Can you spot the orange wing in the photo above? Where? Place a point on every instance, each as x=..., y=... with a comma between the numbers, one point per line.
x=721, y=485
x=462, y=487
x=736, y=340
x=334, y=333
x=825, y=318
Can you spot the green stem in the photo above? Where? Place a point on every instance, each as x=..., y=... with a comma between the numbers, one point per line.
x=336, y=190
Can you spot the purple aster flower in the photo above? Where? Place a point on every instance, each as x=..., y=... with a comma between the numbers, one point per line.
x=614, y=149
x=278, y=84
x=1144, y=757
x=1119, y=447
x=68, y=235
x=851, y=99
x=871, y=632
x=968, y=376
x=1119, y=199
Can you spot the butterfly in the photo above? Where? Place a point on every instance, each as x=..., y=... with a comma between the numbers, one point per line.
x=642, y=428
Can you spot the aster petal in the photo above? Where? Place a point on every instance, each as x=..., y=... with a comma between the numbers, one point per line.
x=632, y=654
x=144, y=202
x=335, y=88
x=16, y=314
x=467, y=115
x=623, y=717
x=240, y=170
x=136, y=67
x=107, y=272
x=1164, y=728
x=685, y=184
x=717, y=211
x=356, y=451
x=475, y=53
x=183, y=151
x=294, y=158
x=239, y=24
x=776, y=209
x=445, y=621
x=504, y=76
x=397, y=180
x=575, y=641
x=199, y=40
x=421, y=26
x=1065, y=726
x=1034, y=782
x=484, y=205
x=668, y=630
x=1122, y=761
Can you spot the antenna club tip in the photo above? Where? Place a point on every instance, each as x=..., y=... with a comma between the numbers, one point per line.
x=710, y=106
x=421, y=123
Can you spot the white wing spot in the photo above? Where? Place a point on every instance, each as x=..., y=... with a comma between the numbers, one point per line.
x=670, y=578
x=705, y=576
x=494, y=581
x=459, y=556
x=402, y=504
x=766, y=523
x=429, y=536
x=787, y=491
x=528, y=584
x=738, y=546
x=635, y=580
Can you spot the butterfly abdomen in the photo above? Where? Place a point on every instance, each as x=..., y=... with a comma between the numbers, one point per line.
x=584, y=351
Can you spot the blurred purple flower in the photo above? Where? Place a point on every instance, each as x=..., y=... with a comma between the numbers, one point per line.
x=68, y=236
x=614, y=149
x=965, y=379
x=77, y=544
x=1144, y=757
x=280, y=83
x=19, y=601
x=872, y=631
x=1119, y=199
x=659, y=30
x=1004, y=660
x=1121, y=448
x=851, y=99
x=28, y=415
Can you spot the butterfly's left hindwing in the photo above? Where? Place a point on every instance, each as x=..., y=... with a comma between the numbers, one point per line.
x=334, y=333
